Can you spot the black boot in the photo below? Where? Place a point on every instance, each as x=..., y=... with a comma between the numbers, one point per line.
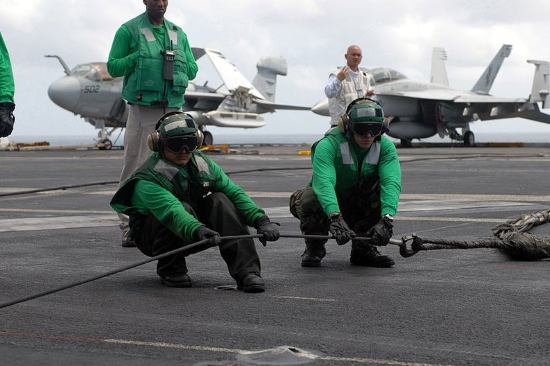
x=177, y=280
x=313, y=255
x=363, y=254
x=251, y=282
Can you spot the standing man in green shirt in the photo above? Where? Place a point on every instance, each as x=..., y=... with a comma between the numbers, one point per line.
x=156, y=61
x=180, y=196
x=7, y=91
x=354, y=191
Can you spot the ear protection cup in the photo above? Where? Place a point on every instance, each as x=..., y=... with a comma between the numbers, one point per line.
x=200, y=136
x=386, y=125
x=153, y=140
x=343, y=123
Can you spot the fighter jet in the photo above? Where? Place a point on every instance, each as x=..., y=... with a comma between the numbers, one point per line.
x=89, y=91
x=418, y=109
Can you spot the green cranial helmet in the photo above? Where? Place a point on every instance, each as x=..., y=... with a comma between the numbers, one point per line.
x=366, y=110
x=365, y=116
x=176, y=124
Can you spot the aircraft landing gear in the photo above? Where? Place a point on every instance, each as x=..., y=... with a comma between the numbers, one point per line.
x=105, y=144
x=208, y=138
x=469, y=139
x=406, y=143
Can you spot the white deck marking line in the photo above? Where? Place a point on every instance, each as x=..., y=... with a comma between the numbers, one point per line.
x=457, y=196
x=75, y=222
x=244, y=352
x=305, y=298
x=448, y=219
x=477, y=197
x=64, y=222
x=4, y=190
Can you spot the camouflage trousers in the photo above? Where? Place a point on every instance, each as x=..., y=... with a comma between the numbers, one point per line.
x=361, y=211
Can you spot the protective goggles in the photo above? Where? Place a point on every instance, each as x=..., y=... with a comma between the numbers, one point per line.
x=364, y=128
x=178, y=143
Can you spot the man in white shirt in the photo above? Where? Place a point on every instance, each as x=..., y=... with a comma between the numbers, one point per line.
x=347, y=84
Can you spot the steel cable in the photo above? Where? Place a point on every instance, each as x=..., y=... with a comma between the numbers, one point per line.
x=38, y=190
x=200, y=245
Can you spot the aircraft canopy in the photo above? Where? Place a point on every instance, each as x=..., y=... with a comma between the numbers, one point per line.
x=383, y=75
x=95, y=71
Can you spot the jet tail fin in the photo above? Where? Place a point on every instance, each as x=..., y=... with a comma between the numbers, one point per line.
x=485, y=82
x=439, y=71
x=231, y=77
x=265, y=80
x=539, y=91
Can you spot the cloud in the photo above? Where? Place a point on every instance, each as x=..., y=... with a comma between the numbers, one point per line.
x=21, y=16
x=311, y=34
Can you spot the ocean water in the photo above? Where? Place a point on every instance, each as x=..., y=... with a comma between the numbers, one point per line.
x=79, y=140
x=305, y=139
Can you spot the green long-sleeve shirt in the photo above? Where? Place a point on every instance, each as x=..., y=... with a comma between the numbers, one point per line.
x=7, y=85
x=145, y=193
x=332, y=181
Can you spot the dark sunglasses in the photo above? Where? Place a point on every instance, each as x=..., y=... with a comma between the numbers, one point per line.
x=178, y=143
x=363, y=128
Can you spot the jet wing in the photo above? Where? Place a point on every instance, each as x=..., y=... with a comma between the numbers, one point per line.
x=486, y=107
x=231, y=77
x=270, y=105
x=450, y=95
x=530, y=111
x=203, y=95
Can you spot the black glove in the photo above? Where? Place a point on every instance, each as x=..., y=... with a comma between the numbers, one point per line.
x=268, y=229
x=7, y=119
x=340, y=229
x=381, y=232
x=205, y=233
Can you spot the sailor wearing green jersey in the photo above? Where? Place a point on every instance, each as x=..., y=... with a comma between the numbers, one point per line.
x=155, y=58
x=179, y=196
x=354, y=190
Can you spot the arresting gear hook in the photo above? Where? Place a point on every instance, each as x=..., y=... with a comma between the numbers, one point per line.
x=415, y=245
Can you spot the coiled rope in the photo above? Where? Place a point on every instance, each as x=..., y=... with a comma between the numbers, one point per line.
x=511, y=238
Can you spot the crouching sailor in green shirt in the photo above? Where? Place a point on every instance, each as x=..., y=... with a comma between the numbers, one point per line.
x=179, y=196
x=354, y=190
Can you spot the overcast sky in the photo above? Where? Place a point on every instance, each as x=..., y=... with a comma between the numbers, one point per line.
x=312, y=35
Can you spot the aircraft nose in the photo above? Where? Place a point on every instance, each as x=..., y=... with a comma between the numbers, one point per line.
x=65, y=92
x=321, y=108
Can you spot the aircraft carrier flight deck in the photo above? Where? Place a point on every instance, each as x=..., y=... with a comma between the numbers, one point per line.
x=438, y=307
